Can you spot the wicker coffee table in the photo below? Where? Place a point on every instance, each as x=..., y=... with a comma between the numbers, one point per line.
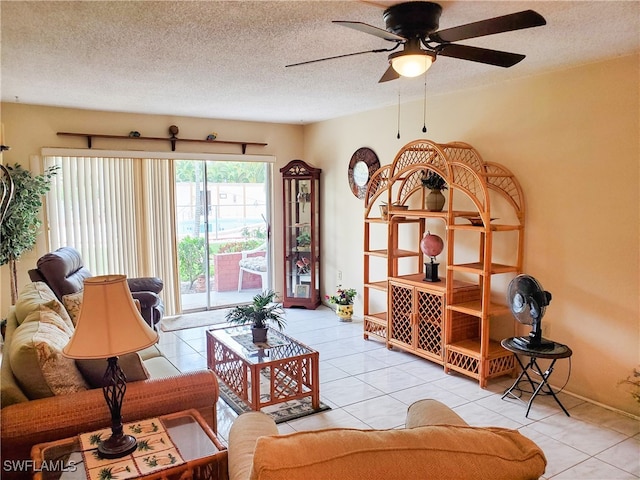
x=287, y=369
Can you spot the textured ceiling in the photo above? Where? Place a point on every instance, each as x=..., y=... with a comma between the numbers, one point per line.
x=225, y=59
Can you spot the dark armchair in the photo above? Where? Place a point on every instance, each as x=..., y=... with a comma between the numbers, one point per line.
x=64, y=272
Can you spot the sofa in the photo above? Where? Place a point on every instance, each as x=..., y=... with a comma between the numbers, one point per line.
x=64, y=272
x=435, y=443
x=46, y=396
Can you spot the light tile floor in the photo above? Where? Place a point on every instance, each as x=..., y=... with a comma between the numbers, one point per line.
x=368, y=386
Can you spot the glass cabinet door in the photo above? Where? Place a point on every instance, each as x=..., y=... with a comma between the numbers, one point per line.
x=301, y=209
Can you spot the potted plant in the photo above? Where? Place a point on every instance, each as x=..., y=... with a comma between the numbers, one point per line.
x=259, y=313
x=435, y=199
x=343, y=298
x=21, y=225
x=304, y=239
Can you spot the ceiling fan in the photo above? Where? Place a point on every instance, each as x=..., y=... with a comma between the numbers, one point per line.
x=414, y=26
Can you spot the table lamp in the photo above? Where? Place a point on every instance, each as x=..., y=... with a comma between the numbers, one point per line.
x=109, y=324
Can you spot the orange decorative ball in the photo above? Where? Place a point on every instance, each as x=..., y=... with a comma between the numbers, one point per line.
x=431, y=245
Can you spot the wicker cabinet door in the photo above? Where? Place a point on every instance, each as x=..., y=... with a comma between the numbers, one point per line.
x=400, y=315
x=429, y=325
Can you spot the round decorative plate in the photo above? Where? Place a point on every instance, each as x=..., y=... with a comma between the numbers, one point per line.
x=364, y=162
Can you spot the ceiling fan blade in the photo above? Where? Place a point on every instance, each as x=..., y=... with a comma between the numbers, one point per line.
x=481, y=55
x=506, y=23
x=371, y=30
x=339, y=56
x=389, y=75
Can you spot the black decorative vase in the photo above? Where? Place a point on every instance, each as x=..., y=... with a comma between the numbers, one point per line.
x=259, y=334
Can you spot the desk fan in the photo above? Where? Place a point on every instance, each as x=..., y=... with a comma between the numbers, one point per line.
x=527, y=301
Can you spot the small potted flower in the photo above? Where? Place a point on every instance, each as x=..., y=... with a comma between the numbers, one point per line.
x=343, y=298
x=435, y=199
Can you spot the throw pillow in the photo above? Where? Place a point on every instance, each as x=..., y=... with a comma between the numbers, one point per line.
x=72, y=303
x=130, y=363
x=31, y=297
x=36, y=356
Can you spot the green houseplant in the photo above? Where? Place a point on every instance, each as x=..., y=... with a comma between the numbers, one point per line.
x=19, y=230
x=262, y=311
x=343, y=298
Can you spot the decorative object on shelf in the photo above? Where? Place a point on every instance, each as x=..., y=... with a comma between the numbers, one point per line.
x=110, y=325
x=303, y=265
x=432, y=246
x=476, y=220
x=384, y=209
x=435, y=183
x=364, y=162
x=173, y=139
x=304, y=239
x=343, y=298
x=173, y=130
x=262, y=310
x=303, y=195
x=212, y=136
x=302, y=290
x=134, y=134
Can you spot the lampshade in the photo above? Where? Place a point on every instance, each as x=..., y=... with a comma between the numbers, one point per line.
x=109, y=323
x=411, y=63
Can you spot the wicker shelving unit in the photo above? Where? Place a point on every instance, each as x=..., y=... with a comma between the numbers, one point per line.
x=447, y=322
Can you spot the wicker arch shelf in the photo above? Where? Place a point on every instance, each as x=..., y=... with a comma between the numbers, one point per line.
x=447, y=322
x=458, y=163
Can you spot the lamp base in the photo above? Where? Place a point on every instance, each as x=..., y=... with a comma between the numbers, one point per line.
x=117, y=446
x=431, y=272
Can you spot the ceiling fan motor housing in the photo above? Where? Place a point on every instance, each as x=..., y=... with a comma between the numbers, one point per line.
x=413, y=19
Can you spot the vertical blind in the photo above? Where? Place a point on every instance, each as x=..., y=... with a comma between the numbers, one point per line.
x=117, y=212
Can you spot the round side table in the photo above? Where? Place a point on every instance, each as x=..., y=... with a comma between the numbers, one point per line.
x=557, y=352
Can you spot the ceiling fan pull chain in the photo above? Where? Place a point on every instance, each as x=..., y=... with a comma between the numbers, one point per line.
x=424, y=113
x=398, y=113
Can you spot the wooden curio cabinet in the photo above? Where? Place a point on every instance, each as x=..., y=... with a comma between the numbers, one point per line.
x=301, y=235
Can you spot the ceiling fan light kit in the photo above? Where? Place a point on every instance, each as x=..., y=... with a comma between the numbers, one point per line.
x=411, y=64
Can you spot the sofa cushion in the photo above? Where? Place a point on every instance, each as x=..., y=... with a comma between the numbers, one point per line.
x=131, y=364
x=441, y=451
x=36, y=358
x=258, y=264
x=160, y=367
x=34, y=296
x=72, y=303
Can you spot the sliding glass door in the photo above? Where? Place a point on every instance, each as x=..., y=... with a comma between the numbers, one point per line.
x=222, y=232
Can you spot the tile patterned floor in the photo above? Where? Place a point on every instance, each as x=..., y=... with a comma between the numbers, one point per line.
x=368, y=386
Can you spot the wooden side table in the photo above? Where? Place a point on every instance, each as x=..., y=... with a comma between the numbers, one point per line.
x=205, y=456
x=557, y=352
